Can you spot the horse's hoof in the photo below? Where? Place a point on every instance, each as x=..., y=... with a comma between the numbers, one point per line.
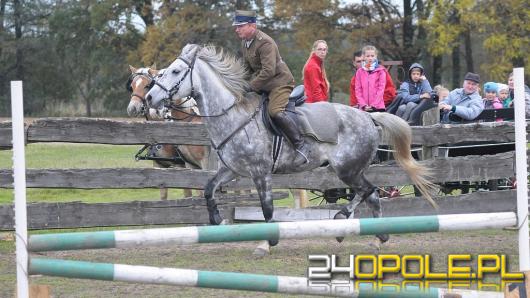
x=340, y=215
x=273, y=242
x=215, y=218
x=384, y=237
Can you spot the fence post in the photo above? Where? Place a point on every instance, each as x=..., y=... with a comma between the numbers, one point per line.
x=521, y=168
x=19, y=170
x=430, y=117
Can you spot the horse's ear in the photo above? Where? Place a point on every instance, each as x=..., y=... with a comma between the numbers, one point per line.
x=152, y=71
x=132, y=69
x=153, y=66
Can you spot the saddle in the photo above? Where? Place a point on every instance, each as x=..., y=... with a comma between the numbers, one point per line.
x=317, y=120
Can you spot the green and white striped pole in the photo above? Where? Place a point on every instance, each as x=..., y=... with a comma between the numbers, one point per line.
x=270, y=231
x=225, y=280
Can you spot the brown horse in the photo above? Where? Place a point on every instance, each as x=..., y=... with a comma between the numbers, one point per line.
x=195, y=157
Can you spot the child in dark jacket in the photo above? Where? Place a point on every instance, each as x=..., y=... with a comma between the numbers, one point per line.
x=412, y=91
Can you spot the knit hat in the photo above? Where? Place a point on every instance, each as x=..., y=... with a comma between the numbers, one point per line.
x=502, y=87
x=472, y=77
x=491, y=87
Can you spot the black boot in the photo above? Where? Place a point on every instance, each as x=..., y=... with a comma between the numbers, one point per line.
x=289, y=127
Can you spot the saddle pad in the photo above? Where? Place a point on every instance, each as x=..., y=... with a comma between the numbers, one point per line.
x=319, y=121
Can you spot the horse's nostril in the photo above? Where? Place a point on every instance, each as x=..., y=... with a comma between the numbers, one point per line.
x=148, y=98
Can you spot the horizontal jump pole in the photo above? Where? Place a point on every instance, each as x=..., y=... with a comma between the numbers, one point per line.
x=223, y=280
x=270, y=231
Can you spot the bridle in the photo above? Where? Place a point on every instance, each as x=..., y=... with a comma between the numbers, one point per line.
x=151, y=79
x=175, y=89
x=193, y=94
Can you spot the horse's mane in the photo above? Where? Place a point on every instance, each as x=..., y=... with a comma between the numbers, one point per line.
x=231, y=71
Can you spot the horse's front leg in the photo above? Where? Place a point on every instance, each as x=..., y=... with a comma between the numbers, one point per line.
x=264, y=188
x=223, y=175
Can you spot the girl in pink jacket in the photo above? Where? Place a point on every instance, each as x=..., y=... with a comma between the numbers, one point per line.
x=370, y=82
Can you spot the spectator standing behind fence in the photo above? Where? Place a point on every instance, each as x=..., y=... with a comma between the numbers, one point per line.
x=465, y=102
x=390, y=89
x=370, y=81
x=415, y=89
x=526, y=95
x=504, y=95
x=357, y=64
x=316, y=83
x=491, y=101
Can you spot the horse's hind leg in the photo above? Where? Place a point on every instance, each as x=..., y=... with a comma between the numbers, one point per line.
x=264, y=188
x=374, y=202
x=223, y=175
x=365, y=191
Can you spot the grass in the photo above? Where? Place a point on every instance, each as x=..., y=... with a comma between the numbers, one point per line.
x=69, y=155
x=66, y=155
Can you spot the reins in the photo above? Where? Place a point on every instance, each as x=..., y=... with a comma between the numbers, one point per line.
x=174, y=90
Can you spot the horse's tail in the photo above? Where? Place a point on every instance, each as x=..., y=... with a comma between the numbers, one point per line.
x=399, y=135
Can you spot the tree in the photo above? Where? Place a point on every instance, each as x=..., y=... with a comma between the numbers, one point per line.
x=91, y=38
x=507, y=30
x=182, y=23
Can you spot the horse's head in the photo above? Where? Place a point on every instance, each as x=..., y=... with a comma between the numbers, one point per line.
x=139, y=83
x=176, y=81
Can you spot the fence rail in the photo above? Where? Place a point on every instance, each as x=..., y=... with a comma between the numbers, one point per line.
x=118, y=132
x=470, y=168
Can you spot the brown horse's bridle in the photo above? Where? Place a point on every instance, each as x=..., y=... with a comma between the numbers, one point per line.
x=150, y=85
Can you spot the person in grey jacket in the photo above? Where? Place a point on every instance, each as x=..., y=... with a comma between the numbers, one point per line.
x=412, y=91
x=465, y=102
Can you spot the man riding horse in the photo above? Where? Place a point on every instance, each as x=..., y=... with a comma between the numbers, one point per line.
x=270, y=74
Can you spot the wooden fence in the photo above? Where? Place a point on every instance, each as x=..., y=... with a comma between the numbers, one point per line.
x=105, y=131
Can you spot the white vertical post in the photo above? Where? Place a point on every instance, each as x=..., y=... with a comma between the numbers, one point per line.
x=522, y=172
x=19, y=170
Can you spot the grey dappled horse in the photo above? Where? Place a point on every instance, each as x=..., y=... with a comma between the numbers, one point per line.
x=219, y=84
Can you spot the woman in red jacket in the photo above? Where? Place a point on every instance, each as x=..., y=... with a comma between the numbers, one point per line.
x=316, y=83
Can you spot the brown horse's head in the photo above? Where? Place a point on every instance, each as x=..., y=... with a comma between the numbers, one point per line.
x=139, y=83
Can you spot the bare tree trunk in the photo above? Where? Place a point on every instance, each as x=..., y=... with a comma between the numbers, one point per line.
x=456, y=67
x=469, y=51
x=2, y=29
x=408, y=34
x=437, y=70
x=19, y=55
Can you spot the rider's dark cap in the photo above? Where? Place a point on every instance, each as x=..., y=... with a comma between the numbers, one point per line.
x=243, y=17
x=472, y=77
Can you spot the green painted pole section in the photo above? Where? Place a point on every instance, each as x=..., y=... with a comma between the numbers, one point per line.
x=247, y=232
x=399, y=225
x=71, y=269
x=238, y=281
x=70, y=241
